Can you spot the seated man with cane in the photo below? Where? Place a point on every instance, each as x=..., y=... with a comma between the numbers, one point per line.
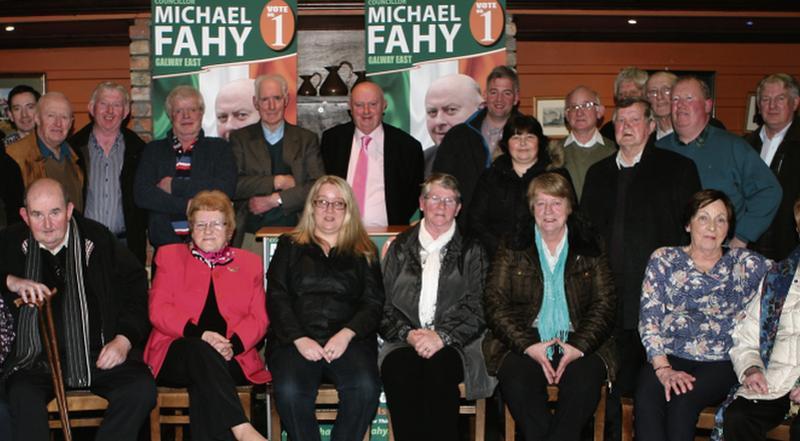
x=100, y=316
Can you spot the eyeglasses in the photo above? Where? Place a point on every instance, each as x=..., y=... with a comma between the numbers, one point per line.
x=436, y=200
x=523, y=138
x=664, y=91
x=214, y=225
x=323, y=204
x=778, y=100
x=585, y=106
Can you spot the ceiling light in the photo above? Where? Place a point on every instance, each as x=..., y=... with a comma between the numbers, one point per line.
x=10, y=28
x=632, y=21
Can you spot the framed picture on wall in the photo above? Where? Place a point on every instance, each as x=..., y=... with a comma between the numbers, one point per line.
x=550, y=113
x=752, y=119
x=7, y=82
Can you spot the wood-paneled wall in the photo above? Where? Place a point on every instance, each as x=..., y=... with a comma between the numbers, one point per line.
x=72, y=71
x=549, y=69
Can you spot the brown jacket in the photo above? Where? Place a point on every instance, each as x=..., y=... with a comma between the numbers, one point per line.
x=514, y=297
x=26, y=154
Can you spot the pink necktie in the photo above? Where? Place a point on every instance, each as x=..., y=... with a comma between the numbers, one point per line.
x=360, y=176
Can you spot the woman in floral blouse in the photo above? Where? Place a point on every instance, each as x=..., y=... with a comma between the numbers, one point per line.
x=690, y=298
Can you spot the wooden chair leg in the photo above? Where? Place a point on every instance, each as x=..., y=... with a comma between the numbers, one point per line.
x=511, y=426
x=600, y=416
x=480, y=419
x=155, y=421
x=276, y=421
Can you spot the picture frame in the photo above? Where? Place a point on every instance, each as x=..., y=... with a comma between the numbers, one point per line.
x=752, y=119
x=549, y=112
x=7, y=82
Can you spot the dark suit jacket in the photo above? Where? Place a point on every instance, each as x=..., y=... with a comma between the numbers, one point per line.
x=254, y=168
x=781, y=237
x=653, y=215
x=213, y=168
x=403, y=165
x=135, y=217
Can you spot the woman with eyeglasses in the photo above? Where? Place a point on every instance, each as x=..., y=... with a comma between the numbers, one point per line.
x=499, y=205
x=208, y=314
x=433, y=319
x=325, y=296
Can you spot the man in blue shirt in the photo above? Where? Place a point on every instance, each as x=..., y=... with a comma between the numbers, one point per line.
x=724, y=161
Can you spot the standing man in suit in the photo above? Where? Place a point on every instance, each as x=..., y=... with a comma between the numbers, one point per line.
x=383, y=164
x=109, y=155
x=276, y=164
x=778, y=143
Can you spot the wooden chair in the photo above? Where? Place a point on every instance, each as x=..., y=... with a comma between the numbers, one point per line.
x=704, y=421
x=477, y=411
x=552, y=396
x=172, y=407
x=326, y=396
x=85, y=410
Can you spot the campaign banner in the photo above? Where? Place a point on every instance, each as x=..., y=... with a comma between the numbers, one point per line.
x=220, y=47
x=412, y=43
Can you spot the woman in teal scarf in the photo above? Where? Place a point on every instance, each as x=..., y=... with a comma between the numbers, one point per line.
x=550, y=309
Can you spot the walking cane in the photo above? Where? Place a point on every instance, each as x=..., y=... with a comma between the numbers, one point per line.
x=48, y=330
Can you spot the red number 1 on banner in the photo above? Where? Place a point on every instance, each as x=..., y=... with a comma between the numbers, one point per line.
x=486, y=22
x=277, y=25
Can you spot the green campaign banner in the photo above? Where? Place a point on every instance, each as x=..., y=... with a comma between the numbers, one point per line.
x=189, y=35
x=412, y=43
x=403, y=33
x=220, y=47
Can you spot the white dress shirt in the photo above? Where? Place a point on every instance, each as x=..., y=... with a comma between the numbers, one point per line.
x=770, y=146
x=597, y=138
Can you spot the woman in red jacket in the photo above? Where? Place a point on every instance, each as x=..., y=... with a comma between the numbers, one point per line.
x=208, y=312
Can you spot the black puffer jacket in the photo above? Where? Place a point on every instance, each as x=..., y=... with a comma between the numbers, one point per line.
x=514, y=297
x=313, y=295
x=500, y=202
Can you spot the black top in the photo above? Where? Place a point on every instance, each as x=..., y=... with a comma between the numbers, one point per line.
x=313, y=295
x=212, y=320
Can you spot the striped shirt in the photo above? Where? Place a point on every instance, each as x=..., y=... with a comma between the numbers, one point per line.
x=104, y=193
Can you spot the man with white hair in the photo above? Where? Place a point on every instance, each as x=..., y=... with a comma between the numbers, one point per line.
x=449, y=101
x=234, y=106
x=109, y=155
x=778, y=143
x=277, y=163
x=47, y=154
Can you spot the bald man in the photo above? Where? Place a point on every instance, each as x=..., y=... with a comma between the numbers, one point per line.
x=234, y=106
x=100, y=315
x=450, y=100
x=382, y=163
x=48, y=155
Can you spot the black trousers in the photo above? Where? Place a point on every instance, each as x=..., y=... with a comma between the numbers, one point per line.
x=750, y=420
x=129, y=389
x=658, y=420
x=214, y=406
x=632, y=358
x=524, y=388
x=422, y=394
x=296, y=381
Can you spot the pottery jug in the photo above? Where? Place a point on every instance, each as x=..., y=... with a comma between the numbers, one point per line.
x=333, y=84
x=361, y=76
x=307, y=87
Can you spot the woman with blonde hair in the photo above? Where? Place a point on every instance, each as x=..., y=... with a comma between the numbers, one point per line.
x=325, y=294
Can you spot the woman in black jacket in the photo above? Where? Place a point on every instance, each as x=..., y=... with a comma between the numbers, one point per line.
x=433, y=319
x=499, y=205
x=325, y=295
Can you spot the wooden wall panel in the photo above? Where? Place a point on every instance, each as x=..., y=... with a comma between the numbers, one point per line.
x=553, y=68
x=73, y=71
